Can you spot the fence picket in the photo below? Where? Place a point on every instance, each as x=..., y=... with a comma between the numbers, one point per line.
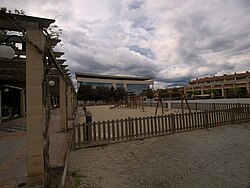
x=117, y=129
x=155, y=125
x=108, y=125
x=159, y=125
x=162, y=125
x=136, y=127
x=94, y=131
x=152, y=125
x=166, y=124
x=130, y=128
x=177, y=124
x=148, y=126
x=99, y=130
x=122, y=130
x=140, y=126
x=104, y=130
x=192, y=121
x=144, y=126
x=113, y=130
x=173, y=123
x=127, y=128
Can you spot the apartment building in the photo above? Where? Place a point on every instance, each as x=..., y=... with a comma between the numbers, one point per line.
x=219, y=85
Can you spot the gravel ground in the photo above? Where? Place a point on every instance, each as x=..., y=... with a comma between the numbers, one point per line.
x=217, y=157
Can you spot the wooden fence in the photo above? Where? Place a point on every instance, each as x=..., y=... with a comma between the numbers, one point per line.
x=105, y=132
x=209, y=106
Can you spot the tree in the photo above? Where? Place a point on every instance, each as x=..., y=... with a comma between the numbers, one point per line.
x=119, y=93
x=176, y=94
x=85, y=92
x=165, y=94
x=235, y=93
x=150, y=93
x=102, y=93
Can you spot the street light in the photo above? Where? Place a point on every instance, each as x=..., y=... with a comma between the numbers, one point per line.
x=6, y=90
x=6, y=52
x=51, y=83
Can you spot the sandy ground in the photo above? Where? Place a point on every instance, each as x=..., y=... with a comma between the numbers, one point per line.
x=217, y=157
x=100, y=113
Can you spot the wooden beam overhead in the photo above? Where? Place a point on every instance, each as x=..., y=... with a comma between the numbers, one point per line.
x=22, y=21
x=58, y=54
x=61, y=61
x=63, y=66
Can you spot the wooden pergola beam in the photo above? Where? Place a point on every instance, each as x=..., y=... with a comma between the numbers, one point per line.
x=21, y=21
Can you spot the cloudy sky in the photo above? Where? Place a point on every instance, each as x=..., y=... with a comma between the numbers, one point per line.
x=170, y=40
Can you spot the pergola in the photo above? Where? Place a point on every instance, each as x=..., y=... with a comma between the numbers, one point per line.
x=36, y=64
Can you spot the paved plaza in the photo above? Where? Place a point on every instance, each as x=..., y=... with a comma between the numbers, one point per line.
x=13, y=149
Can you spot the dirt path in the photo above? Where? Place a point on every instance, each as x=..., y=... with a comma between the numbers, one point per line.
x=218, y=157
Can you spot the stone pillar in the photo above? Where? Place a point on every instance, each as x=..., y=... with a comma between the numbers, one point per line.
x=35, y=109
x=22, y=104
x=114, y=85
x=63, y=112
x=202, y=92
x=125, y=87
x=222, y=91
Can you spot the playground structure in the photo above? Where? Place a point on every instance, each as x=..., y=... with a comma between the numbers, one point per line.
x=136, y=101
x=159, y=102
x=131, y=101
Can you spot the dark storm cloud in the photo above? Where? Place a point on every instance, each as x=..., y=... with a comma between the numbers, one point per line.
x=172, y=41
x=136, y=4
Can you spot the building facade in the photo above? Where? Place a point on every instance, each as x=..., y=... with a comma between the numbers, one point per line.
x=131, y=84
x=219, y=85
